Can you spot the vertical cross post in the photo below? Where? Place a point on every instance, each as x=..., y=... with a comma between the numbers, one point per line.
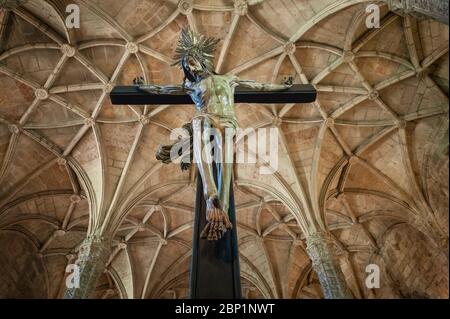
x=215, y=270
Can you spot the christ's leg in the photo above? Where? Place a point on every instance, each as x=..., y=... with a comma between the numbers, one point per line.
x=217, y=219
x=204, y=163
x=227, y=173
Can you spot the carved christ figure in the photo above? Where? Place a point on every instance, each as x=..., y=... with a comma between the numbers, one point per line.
x=213, y=95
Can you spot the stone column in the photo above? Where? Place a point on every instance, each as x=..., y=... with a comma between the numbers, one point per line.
x=92, y=259
x=435, y=9
x=321, y=250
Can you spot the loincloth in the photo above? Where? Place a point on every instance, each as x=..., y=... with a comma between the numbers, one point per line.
x=218, y=121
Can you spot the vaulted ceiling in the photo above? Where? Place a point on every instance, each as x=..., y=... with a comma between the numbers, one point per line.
x=368, y=160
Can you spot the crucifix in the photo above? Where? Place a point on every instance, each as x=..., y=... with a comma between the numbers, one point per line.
x=215, y=259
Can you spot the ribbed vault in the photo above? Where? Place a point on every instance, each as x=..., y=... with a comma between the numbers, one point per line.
x=368, y=160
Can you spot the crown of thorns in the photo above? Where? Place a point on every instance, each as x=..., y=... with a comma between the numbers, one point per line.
x=196, y=46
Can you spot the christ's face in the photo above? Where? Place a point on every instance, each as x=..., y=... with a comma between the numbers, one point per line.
x=195, y=67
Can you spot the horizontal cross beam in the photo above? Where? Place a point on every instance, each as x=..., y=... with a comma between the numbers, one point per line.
x=131, y=95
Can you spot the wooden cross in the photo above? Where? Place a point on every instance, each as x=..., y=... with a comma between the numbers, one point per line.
x=215, y=270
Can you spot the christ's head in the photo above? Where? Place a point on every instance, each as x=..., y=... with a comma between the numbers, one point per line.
x=195, y=55
x=194, y=70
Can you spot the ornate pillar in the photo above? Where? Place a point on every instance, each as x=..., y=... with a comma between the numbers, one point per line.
x=320, y=248
x=92, y=259
x=435, y=9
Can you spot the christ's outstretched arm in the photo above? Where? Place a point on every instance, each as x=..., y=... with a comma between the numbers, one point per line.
x=165, y=89
x=263, y=86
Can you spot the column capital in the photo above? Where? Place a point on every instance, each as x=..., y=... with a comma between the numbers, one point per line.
x=435, y=9
x=320, y=245
x=94, y=246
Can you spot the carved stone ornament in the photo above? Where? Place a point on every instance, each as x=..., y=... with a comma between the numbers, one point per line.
x=240, y=7
x=435, y=9
x=185, y=6
x=323, y=254
x=93, y=255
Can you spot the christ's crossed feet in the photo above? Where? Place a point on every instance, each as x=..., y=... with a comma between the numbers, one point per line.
x=218, y=223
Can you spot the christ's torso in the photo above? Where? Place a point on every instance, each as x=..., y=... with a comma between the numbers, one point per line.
x=215, y=95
